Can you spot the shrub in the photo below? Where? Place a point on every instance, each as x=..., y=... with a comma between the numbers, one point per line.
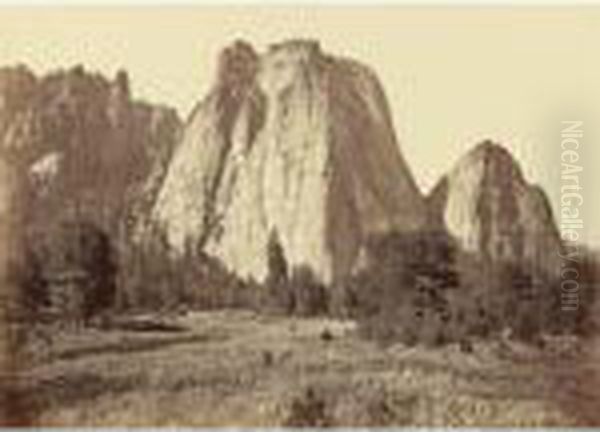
x=277, y=295
x=418, y=288
x=582, y=319
x=156, y=278
x=33, y=292
x=308, y=410
x=310, y=296
x=70, y=267
x=299, y=293
x=399, y=294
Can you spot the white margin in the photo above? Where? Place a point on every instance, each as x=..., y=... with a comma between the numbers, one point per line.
x=409, y=3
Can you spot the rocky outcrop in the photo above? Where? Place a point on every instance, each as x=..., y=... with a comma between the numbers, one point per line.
x=489, y=207
x=185, y=203
x=10, y=255
x=11, y=212
x=86, y=146
x=294, y=144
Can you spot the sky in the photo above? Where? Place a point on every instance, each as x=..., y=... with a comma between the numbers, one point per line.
x=453, y=76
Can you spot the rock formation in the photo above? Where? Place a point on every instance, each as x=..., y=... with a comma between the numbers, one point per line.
x=10, y=255
x=493, y=212
x=85, y=144
x=294, y=143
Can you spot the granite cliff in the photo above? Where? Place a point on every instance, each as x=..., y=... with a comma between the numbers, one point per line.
x=294, y=144
x=83, y=144
x=486, y=203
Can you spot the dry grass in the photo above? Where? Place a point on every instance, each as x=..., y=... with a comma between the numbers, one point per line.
x=238, y=368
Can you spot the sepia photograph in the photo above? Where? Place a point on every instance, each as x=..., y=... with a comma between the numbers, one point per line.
x=321, y=216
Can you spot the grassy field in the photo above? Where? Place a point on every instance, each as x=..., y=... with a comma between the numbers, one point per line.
x=239, y=368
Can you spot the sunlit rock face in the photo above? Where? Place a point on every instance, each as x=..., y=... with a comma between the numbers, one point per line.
x=187, y=197
x=293, y=143
x=84, y=143
x=490, y=208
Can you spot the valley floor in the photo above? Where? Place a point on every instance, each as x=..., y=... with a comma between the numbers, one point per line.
x=240, y=368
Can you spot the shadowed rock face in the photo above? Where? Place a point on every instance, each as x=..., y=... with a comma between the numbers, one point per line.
x=486, y=203
x=298, y=143
x=10, y=254
x=85, y=145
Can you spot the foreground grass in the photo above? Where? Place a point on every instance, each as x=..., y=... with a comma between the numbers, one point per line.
x=239, y=368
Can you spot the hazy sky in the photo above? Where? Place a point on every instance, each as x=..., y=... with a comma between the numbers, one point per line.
x=453, y=76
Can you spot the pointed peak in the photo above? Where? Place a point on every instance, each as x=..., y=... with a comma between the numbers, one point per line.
x=490, y=148
x=237, y=63
x=78, y=70
x=239, y=48
x=492, y=153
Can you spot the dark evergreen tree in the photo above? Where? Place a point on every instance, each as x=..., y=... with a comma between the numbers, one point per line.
x=278, y=293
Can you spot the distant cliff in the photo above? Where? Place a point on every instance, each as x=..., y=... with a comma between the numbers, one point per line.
x=489, y=207
x=83, y=144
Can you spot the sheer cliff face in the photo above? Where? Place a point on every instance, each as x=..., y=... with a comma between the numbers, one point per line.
x=486, y=204
x=187, y=197
x=10, y=254
x=82, y=142
x=10, y=210
x=298, y=145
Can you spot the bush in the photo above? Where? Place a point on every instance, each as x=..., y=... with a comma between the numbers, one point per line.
x=300, y=293
x=418, y=288
x=582, y=319
x=277, y=295
x=33, y=292
x=399, y=294
x=70, y=267
x=155, y=278
x=308, y=410
x=309, y=296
